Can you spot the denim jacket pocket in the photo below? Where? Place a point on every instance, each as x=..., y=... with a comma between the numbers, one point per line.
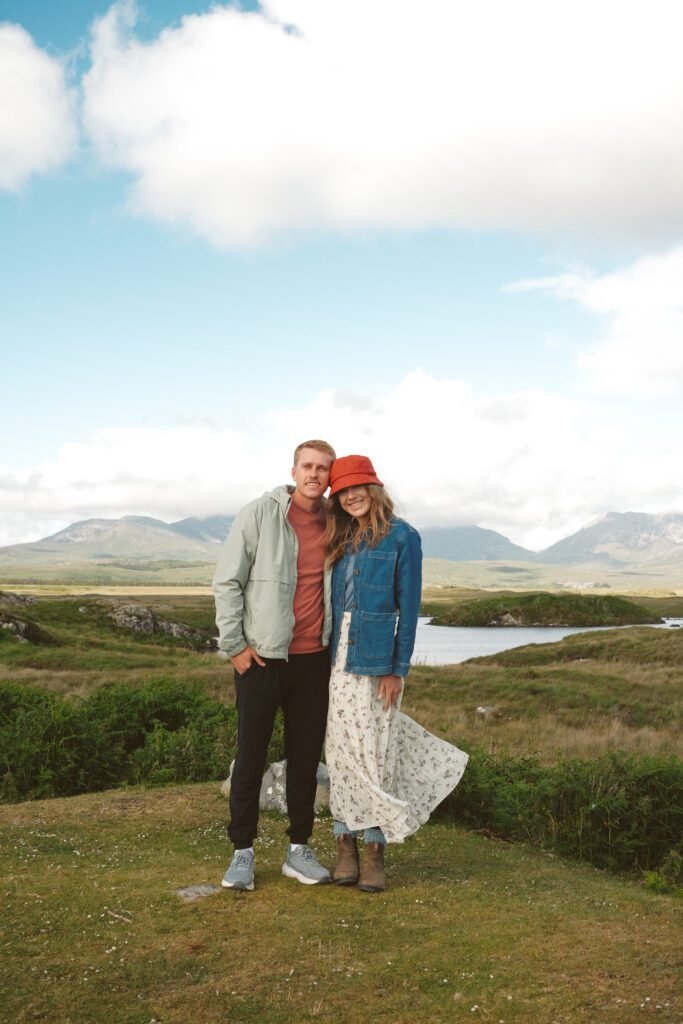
x=378, y=569
x=376, y=636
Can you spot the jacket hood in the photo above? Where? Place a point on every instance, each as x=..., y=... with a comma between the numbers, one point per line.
x=282, y=495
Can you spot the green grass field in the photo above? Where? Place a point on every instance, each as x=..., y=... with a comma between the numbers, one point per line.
x=468, y=929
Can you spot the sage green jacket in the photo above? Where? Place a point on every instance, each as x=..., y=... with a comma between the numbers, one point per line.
x=255, y=580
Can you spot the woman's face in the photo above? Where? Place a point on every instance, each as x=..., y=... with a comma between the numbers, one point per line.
x=356, y=501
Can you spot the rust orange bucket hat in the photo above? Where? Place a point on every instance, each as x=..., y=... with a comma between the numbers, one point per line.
x=352, y=471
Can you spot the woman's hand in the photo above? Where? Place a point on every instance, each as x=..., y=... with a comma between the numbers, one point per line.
x=389, y=690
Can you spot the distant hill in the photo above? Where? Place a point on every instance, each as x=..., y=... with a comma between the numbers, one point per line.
x=213, y=528
x=622, y=539
x=471, y=544
x=645, y=548
x=132, y=538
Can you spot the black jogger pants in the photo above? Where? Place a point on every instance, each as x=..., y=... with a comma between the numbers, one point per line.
x=300, y=687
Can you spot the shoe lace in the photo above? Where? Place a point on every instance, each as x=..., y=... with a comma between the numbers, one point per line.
x=242, y=860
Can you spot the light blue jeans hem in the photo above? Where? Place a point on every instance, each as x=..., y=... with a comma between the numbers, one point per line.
x=370, y=835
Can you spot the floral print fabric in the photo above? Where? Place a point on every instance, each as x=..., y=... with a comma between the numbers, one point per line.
x=385, y=769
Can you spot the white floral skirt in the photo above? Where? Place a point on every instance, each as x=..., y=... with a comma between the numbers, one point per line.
x=386, y=771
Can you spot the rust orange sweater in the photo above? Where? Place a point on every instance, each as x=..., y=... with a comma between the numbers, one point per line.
x=309, y=611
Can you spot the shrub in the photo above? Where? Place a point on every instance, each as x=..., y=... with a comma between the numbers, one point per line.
x=51, y=745
x=619, y=812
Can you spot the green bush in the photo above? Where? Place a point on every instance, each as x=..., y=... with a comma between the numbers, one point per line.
x=51, y=745
x=618, y=812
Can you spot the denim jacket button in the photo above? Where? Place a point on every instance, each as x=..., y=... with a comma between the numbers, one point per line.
x=356, y=572
x=351, y=642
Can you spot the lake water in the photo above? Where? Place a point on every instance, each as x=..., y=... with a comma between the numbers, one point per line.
x=449, y=645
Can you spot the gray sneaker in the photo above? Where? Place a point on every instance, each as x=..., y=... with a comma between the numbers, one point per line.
x=303, y=865
x=240, y=874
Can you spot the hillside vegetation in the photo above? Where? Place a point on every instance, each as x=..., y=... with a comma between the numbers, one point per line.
x=543, y=609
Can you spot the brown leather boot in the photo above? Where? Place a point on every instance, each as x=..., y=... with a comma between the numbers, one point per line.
x=346, y=868
x=372, y=869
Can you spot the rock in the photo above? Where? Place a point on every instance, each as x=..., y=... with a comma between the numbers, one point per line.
x=506, y=619
x=24, y=632
x=135, y=617
x=140, y=619
x=8, y=597
x=322, y=789
x=487, y=711
x=273, y=795
x=192, y=893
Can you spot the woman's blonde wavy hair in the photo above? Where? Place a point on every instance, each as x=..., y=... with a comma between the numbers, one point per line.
x=343, y=530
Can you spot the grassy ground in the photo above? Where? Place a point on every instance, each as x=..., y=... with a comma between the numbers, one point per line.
x=468, y=929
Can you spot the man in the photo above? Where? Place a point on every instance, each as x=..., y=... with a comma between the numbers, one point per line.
x=273, y=611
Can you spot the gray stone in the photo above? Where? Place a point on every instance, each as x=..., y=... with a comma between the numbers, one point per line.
x=506, y=619
x=273, y=795
x=140, y=619
x=135, y=617
x=191, y=893
x=487, y=711
x=8, y=597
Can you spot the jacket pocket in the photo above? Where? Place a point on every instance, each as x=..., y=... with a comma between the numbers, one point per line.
x=268, y=617
x=376, y=639
x=379, y=569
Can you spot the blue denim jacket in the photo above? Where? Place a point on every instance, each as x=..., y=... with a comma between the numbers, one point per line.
x=387, y=591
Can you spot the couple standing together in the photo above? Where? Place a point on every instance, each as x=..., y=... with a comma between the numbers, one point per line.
x=303, y=585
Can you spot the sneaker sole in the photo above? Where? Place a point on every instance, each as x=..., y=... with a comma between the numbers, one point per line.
x=290, y=872
x=240, y=886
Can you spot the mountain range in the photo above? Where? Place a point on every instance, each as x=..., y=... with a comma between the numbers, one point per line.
x=131, y=538
x=620, y=540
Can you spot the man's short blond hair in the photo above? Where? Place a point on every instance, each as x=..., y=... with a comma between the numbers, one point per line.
x=320, y=446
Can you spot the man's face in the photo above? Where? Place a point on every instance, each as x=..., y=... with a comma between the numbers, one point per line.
x=311, y=475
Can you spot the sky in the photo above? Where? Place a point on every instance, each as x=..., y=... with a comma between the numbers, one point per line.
x=448, y=236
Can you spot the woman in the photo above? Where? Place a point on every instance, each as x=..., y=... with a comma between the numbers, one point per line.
x=387, y=773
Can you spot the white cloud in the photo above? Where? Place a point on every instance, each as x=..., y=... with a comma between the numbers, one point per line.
x=344, y=114
x=533, y=465
x=639, y=348
x=37, y=125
